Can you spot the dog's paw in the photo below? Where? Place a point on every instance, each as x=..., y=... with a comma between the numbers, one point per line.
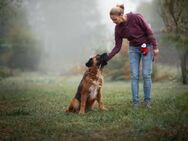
x=66, y=111
x=104, y=109
x=81, y=112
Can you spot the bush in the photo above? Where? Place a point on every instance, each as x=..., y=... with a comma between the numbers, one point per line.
x=5, y=72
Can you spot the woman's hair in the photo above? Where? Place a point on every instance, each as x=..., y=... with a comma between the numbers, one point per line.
x=118, y=10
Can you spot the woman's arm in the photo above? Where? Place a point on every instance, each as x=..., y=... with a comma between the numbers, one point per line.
x=118, y=44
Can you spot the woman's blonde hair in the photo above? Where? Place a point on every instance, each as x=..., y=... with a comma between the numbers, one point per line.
x=117, y=10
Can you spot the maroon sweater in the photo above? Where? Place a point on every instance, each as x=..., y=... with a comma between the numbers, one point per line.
x=136, y=30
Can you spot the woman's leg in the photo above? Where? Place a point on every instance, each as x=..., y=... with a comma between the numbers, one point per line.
x=134, y=57
x=146, y=74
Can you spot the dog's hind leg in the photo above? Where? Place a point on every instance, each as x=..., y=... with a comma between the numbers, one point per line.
x=74, y=106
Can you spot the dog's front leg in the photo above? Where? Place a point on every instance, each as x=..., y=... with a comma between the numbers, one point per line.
x=99, y=99
x=83, y=102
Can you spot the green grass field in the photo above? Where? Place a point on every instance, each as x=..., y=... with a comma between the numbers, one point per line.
x=32, y=109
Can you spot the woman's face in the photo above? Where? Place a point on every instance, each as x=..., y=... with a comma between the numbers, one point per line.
x=116, y=19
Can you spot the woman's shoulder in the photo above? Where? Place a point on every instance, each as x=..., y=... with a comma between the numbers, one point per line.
x=134, y=15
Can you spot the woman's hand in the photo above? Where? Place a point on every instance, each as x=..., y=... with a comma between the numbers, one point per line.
x=104, y=57
x=156, y=53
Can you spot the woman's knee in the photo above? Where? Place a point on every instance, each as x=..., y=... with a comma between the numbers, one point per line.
x=134, y=76
x=146, y=76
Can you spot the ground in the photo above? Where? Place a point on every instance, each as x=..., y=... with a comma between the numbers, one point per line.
x=32, y=108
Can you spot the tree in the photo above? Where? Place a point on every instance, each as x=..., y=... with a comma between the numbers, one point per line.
x=175, y=18
x=18, y=48
x=69, y=30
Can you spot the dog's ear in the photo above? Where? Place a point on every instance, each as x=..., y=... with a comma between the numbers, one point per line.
x=89, y=63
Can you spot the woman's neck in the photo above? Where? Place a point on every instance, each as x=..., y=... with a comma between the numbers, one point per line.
x=125, y=18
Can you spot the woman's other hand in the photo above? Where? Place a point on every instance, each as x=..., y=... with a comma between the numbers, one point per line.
x=156, y=53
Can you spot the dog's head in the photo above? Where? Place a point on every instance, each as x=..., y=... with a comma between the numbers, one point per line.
x=96, y=61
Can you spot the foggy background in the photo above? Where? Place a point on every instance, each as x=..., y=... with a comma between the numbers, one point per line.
x=69, y=32
x=55, y=36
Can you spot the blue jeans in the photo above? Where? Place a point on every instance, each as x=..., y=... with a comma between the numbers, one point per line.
x=135, y=57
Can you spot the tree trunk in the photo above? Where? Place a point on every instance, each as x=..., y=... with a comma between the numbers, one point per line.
x=184, y=67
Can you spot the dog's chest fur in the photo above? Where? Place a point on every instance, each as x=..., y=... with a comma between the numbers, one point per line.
x=93, y=90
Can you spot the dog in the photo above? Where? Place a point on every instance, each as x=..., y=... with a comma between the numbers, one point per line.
x=89, y=89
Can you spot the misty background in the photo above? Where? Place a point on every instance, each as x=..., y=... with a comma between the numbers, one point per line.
x=69, y=32
x=58, y=37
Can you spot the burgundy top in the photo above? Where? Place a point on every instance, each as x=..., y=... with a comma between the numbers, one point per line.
x=136, y=30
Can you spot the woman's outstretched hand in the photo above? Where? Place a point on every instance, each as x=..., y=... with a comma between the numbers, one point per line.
x=104, y=58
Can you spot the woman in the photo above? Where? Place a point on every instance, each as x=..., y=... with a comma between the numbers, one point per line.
x=134, y=28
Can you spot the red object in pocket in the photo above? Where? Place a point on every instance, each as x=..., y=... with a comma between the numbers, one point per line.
x=144, y=49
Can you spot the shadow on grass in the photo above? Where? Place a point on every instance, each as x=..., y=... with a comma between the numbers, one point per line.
x=17, y=112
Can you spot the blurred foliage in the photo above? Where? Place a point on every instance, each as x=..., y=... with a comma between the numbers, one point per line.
x=175, y=18
x=18, y=45
x=174, y=15
x=150, y=10
x=5, y=72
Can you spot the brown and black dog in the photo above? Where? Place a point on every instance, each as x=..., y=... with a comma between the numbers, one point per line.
x=89, y=89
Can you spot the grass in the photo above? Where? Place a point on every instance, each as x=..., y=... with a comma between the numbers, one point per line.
x=32, y=108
